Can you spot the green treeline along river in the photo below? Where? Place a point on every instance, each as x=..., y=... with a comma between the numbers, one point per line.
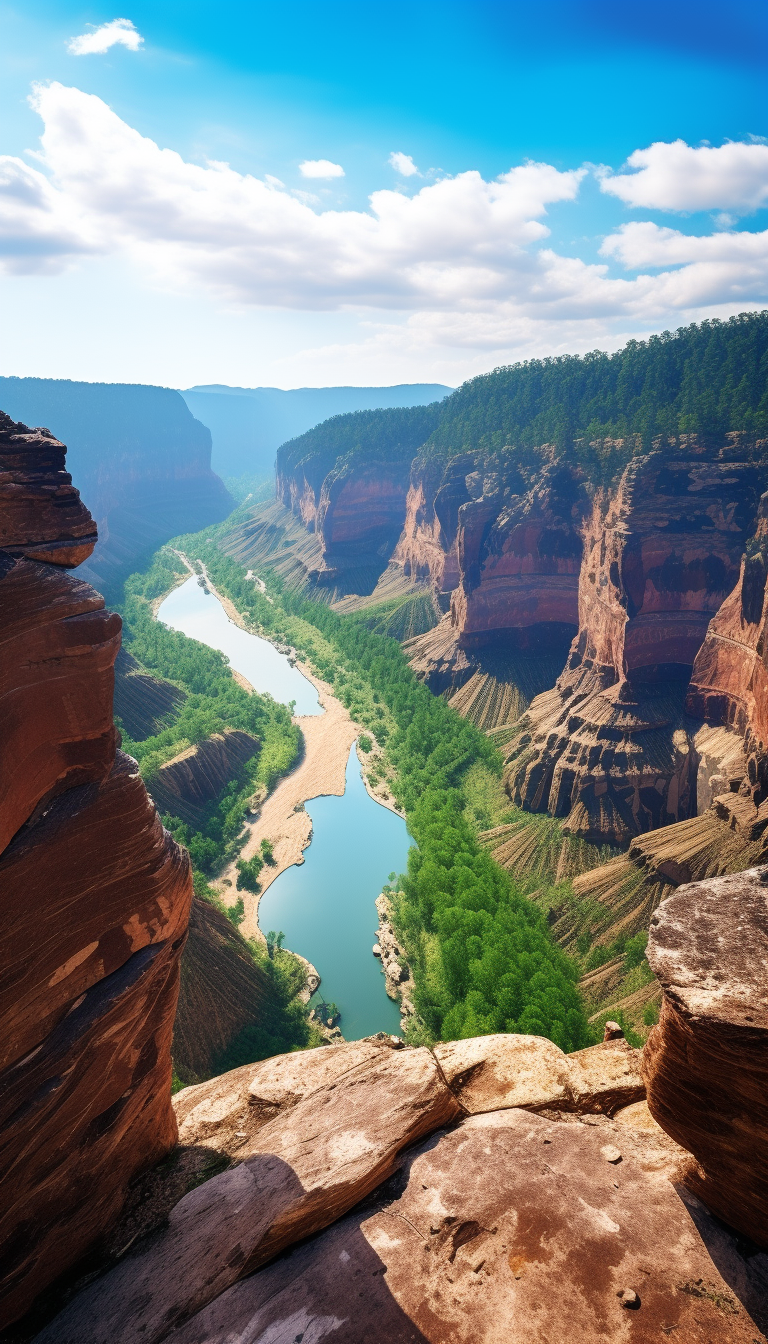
x=325, y=906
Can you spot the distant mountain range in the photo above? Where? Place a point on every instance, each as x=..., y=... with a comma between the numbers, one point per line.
x=248, y=424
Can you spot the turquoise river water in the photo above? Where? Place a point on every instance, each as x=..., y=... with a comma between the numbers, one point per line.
x=325, y=906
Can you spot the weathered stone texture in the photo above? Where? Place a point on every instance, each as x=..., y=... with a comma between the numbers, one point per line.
x=508, y=1227
x=41, y=513
x=610, y=748
x=95, y=897
x=729, y=682
x=706, y=1063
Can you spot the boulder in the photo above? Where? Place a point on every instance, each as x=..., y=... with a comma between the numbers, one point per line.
x=302, y=1171
x=509, y=1227
x=706, y=1062
x=606, y=1077
x=491, y=1073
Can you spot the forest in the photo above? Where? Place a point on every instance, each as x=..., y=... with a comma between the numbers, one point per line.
x=374, y=436
x=709, y=378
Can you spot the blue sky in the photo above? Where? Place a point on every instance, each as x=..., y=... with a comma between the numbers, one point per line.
x=175, y=272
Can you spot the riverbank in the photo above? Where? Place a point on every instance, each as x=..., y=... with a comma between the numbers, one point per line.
x=282, y=819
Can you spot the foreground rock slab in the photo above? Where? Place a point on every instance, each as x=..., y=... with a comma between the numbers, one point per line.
x=304, y=1170
x=511, y=1227
x=706, y=1063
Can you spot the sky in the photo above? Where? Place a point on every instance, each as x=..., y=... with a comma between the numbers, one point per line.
x=313, y=195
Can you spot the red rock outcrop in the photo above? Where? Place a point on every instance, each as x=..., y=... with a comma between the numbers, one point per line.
x=500, y=535
x=41, y=513
x=562, y=1224
x=729, y=682
x=95, y=897
x=706, y=1063
x=610, y=748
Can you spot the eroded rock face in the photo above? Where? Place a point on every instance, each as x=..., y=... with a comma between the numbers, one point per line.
x=41, y=513
x=519, y=559
x=729, y=682
x=95, y=898
x=609, y=748
x=706, y=1063
x=297, y=1173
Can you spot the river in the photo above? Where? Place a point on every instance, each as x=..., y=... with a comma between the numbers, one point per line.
x=324, y=906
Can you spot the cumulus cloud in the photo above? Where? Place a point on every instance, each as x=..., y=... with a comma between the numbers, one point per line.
x=120, y=32
x=403, y=164
x=676, y=176
x=320, y=168
x=468, y=259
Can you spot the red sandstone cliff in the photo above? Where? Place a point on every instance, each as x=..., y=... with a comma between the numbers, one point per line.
x=356, y=511
x=95, y=897
x=729, y=682
x=610, y=748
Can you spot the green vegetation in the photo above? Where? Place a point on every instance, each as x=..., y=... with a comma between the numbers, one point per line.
x=215, y=701
x=392, y=435
x=481, y=951
x=707, y=378
x=283, y=1024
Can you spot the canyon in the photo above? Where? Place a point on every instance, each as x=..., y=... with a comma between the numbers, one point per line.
x=598, y=607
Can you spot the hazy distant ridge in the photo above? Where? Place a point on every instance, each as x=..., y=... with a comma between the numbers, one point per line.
x=248, y=425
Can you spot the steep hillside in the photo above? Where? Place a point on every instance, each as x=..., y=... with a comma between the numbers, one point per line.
x=140, y=458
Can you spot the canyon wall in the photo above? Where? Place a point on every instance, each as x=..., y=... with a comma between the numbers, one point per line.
x=95, y=896
x=347, y=481
x=140, y=458
x=611, y=748
x=729, y=681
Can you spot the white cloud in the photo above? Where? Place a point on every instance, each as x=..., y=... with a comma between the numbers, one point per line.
x=120, y=32
x=678, y=177
x=320, y=168
x=403, y=164
x=465, y=261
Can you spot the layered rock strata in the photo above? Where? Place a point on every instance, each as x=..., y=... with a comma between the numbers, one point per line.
x=539, y=1197
x=95, y=897
x=189, y=782
x=729, y=682
x=610, y=748
x=706, y=1063
x=223, y=991
x=500, y=537
x=142, y=702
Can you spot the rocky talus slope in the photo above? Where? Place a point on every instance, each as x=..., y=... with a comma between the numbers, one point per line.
x=373, y=1190
x=95, y=897
x=611, y=749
